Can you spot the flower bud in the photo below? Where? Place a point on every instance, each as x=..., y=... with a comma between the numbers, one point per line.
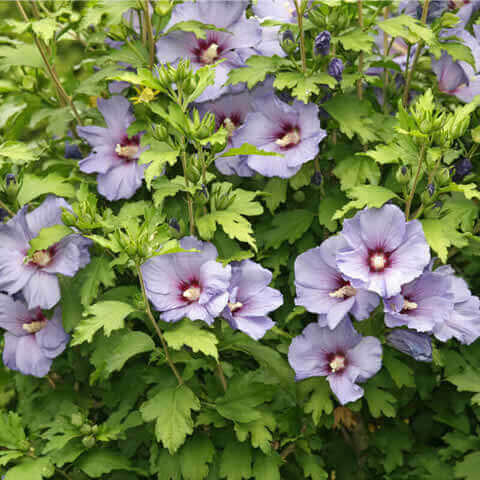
x=443, y=177
x=316, y=179
x=299, y=196
x=88, y=442
x=163, y=7
x=10, y=178
x=86, y=429
x=462, y=168
x=173, y=223
x=413, y=344
x=94, y=429
x=322, y=43
x=402, y=175
x=76, y=419
x=288, y=42
x=287, y=36
x=431, y=189
x=335, y=69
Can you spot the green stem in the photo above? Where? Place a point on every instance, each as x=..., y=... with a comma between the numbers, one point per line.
x=5, y=207
x=415, y=181
x=156, y=327
x=302, y=35
x=416, y=57
x=189, y=196
x=150, y=37
x=62, y=94
x=221, y=375
x=360, y=57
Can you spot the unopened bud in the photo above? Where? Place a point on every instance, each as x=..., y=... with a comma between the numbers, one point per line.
x=10, y=178
x=173, y=223
x=86, y=429
x=76, y=419
x=322, y=43
x=316, y=179
x=299, y=196
x=431, y=189
x=335, y=69
x=88, y=442
x=402, y=175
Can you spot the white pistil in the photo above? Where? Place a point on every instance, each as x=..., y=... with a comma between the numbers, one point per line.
x=345, y=291
x=407, y=305
x=290, y=138
x=41, y=258
x=192, y=294
x=378, y=261
x=210, y=54
x=34, y=327
x=338, y=363
x=127, y=151
x=234, y=306
x=229, y=126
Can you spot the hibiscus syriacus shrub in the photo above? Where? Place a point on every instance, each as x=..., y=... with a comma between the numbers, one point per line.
x=239, y=240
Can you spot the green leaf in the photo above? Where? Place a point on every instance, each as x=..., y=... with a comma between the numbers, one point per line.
x=277, y=188
x=157, y=156
x=12, y=435
x=108, y=315
x=50, y=235
x=469, y=467
x=358, y=41
x=33, y=187
x=17, y=152
x=353, y=171
x=256, y=70
x=143, y=76
x=164, y=187
x=393, y=441
x=303, y=177
x=25, y=54
x=31, y=470
x=194, y=26
x=7, y=456
x=194, y=336
x=401, y=373
x=267, y=467
x=195, y=456
x=353, y=121
x=171, y=409
x=408, y=28
x=248, y=149
x=71, y=304
x=320, y=401
x=236, y=461
x=329, y=204
x=128, y=345
x=97, y=272
x=380, y=402
x=45, y=28
x=234, y=224
x=260, y=431
x=440, y=236
x=312, y=466
x=303, y=87
x=229, y=250
x=100, y=461
x=469, y=190
x=241, y=398
x=287, y=226
x=365, y=196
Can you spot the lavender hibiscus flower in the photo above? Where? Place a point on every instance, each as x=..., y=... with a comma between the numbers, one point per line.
x=251, y=299
x=459, y=78
x=464, y=321
x=240, y=35
x=279, y=10
x=32, y=341
x=115, y=154
x=291, y=130
x=35, y=275
x=341, y=355
x=188, y=284
x=384, y=252
x=322, y=289
x=230, y=111
x=414, y=344
x=421, y=304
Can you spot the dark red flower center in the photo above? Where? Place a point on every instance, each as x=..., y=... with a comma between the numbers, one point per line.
x=43, y=258
x=35, y=323
x=288, y=136
x=128, y=148
x=344, y=289
x=337, y=362
x=378, y=260
x=408, y=305
x=208, y=50
x=190, y=291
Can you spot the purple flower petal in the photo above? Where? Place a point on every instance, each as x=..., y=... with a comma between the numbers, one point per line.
x=48, y=214
x=12, y=315
x=121, y=181
x=42, y=290
x=52, y=339
x=30, y=360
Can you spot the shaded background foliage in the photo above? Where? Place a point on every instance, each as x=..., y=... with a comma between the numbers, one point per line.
x=111, y=407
